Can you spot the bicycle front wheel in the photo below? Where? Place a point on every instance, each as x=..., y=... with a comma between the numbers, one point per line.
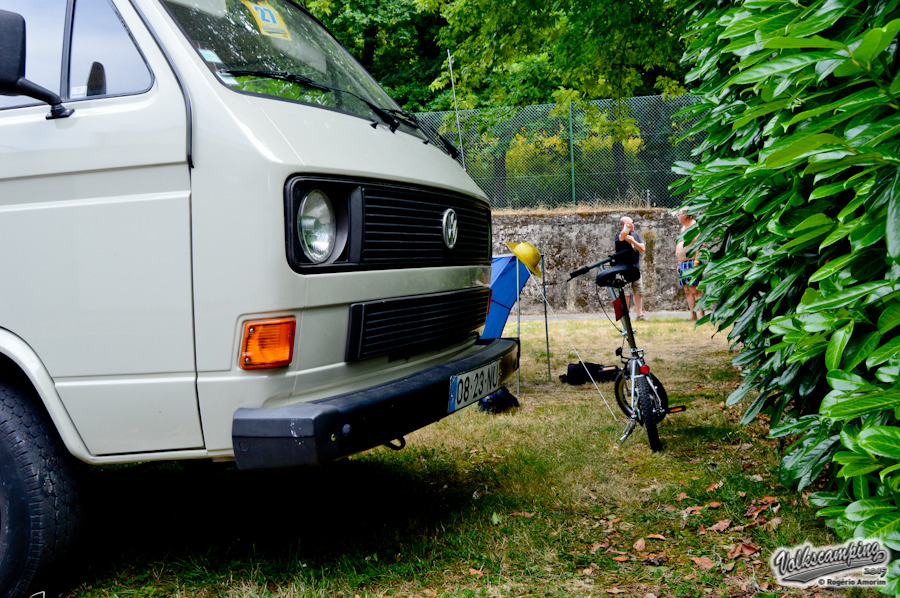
x=648, y=406
x=623, y=393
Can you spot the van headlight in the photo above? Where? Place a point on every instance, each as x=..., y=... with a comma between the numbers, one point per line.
x=317, y=226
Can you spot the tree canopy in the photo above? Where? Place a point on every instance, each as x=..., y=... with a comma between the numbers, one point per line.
x=512, y=53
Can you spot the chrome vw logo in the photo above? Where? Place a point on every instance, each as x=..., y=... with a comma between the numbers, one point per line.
x=451, y=228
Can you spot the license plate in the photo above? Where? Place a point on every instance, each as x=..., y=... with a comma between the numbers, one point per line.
x=474, y=385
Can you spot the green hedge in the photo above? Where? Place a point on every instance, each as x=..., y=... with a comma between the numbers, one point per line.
x=797, y=195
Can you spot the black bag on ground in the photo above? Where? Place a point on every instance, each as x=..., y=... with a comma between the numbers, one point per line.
x=577, y=373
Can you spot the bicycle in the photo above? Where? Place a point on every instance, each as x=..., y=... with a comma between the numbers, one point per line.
x=639, y=394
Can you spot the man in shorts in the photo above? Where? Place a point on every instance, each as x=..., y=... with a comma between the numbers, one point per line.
x=686, y=262
x=633, y=245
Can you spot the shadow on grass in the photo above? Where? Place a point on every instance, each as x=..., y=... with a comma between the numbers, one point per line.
x=201, y=521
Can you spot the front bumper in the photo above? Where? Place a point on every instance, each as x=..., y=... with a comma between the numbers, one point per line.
x=321, y=431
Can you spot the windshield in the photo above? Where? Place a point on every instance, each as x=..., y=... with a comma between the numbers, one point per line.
x=256, y=45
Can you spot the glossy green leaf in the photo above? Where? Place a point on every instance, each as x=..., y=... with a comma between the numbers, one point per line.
x=864, y=509
x=893, y=221
x=777, y=43
x=852, y=470
x=876, y=40
x=801, y=147
x=847, y=296
x=836, y=346
x=832, y=267
x=889, y=350
x=885, y=527
x=781, y=66
x=855, y=406
x=882, y=440
x=889, y=318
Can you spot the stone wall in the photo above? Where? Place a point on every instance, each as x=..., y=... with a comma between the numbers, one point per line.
x=571, y=240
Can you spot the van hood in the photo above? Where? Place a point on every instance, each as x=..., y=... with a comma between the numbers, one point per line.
x=329, y=142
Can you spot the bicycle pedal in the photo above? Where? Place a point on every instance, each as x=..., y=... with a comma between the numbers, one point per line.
x=629, y=428
x=676, y=409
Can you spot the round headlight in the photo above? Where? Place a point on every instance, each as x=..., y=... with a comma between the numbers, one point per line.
x=317, y=226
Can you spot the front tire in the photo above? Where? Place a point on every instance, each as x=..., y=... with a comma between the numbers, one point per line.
x=648, y=407
x=39, y=511
x=623, y=393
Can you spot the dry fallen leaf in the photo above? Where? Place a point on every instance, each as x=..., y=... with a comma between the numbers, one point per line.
x=621, y=559
x=681, y=496
x=588, y=571
x=704, y=562
x=640, y=545
x=721, y=526
x=754, y=510
x=727, y=568
x=742, y=549
x=714, y=504
x=615, y=591
x=756, y=477
x=742, y=494
x=773, y=524
x=476, y=573
x=522, y=514
x=769, y=499
x=655, y=560
x=715, y=486
x=595, y=547
x=431, y=593
x=656, y=537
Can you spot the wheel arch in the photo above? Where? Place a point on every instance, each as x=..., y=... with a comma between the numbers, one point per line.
x=19, y=364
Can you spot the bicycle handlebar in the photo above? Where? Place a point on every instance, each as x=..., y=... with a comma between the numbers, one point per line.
x=588, y=268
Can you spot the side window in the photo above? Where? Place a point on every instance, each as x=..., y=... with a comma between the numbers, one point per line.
x=45, y=21
x=104, y=60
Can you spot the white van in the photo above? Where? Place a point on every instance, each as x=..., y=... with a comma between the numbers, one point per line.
x=221, y=240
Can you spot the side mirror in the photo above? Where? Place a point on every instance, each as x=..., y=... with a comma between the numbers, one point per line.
x=12, y=66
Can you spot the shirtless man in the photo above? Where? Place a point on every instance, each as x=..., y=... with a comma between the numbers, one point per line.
x=685, y=263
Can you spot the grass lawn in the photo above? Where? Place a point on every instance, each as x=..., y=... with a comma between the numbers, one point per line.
x=540, y=501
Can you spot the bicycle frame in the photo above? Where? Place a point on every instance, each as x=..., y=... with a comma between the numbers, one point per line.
x=648, y=402
x=636, y=358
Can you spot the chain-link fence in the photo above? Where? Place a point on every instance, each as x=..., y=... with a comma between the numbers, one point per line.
x=530, y=158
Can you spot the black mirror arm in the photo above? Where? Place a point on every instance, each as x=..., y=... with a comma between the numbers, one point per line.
x=27, y=88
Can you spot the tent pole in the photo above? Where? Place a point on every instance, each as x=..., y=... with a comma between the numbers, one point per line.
x=546, y=327
x=518, y=321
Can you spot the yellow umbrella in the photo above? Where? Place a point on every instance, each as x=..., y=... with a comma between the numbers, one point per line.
x=527, y=254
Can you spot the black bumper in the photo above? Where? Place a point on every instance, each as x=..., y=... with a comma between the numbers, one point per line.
x=322, y=431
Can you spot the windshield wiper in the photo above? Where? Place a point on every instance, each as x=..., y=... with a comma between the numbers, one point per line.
x=432, y=134
x=380, y=112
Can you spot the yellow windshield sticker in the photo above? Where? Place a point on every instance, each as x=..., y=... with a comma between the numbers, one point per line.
x=267, y=19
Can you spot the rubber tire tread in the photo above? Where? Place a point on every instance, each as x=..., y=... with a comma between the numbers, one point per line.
x=646, y=403
x=39, y=508
x=625, y=403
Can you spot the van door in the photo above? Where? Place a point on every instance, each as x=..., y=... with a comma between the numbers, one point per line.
x=95, y=226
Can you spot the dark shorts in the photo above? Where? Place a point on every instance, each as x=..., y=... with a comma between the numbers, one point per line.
x=683, y=278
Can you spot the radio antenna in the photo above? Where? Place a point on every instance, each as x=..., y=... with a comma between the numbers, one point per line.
x=456, y=109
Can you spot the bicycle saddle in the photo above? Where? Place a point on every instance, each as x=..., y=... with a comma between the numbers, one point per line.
x=618, y=276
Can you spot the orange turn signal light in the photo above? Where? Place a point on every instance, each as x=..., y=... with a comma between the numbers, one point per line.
x=268, y=343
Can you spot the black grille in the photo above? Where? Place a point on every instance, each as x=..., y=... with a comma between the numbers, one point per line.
x=405, y=227
x=406, y=325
